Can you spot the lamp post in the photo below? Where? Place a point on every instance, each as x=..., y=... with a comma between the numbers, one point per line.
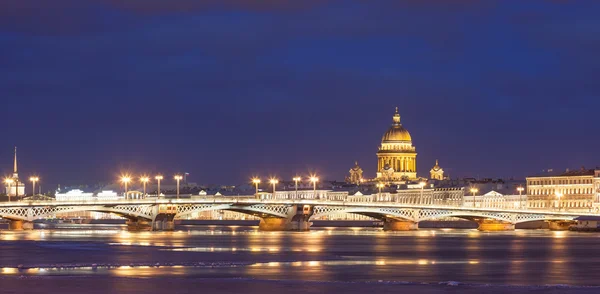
x=559, y=195
x=33, y=180
x=178, y=178
x=314, y=180
x=256, y=181
x=274, y=182
x=9, y=182
x=158, y=178
x=144, y=181
x=422, y=185
x=125, y=180
x=380, y=186
x=474, y=190
x=296, y=180
x=520, y=189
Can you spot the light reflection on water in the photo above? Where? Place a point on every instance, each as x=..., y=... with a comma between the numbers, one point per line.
x=353, y=254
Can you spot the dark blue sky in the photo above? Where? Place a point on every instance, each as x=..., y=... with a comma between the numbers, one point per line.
x=229, y=89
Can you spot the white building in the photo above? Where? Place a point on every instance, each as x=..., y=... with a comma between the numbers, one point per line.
x=74, y=195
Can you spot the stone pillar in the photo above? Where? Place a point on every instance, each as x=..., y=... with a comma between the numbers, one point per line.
x=135, y=225
x=20, y=225
x=490, y=225
x=297, y=220
x=560, y=225
x=397, y=225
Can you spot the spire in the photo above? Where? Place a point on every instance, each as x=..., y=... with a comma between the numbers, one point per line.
x=396, y=117
x=15, y=167
x=436, y=163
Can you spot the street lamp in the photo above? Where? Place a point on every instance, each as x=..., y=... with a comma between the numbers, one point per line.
x=178, y=178
x=33, y=180
x=559, y=195
x=422, y=185
x=274, y=182
x=380, y=186
x=314, y=180
x=144, y=181
x=296, y=180
x=8, y=182
x=158, y=178
x=520, y=189
x=125, y=180
x=474, y=190
x=256, y=181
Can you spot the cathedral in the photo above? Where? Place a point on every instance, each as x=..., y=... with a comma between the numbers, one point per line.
x=396, y=158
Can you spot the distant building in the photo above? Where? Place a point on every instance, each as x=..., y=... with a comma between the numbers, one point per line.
x=569, y=190
x=14, y=187
x=436, y=173
x=356, y=175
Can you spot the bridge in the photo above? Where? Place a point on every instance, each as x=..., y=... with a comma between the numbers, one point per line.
x=280, y=214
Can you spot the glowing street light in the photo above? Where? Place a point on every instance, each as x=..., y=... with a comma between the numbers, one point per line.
x=559, y=195
x=296, y=180
x=520, y=189
x=422, y=185
x=144, y=181
x=380, y=186
x=125, y=180
x=314, y=179
x=9, y=182
x=473, y=191
x=158, y=178
x=33, y=180
x=256, y=181
x=274, y=182
x=178, y=178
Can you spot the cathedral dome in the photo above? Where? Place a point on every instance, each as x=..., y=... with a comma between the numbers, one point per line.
x=396, y=133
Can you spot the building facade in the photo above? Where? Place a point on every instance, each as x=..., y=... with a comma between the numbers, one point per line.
x=397, y=157
x=572, y=190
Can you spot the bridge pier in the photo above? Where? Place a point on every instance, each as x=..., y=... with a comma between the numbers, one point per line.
x=490, y=225
x=396, y=225
x=136, y=225
x=560, y=225
x=273, y=224
x=20, y=225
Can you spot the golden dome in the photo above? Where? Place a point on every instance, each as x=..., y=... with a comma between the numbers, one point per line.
x=396, y=132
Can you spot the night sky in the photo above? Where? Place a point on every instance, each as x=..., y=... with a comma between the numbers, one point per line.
x=229, y=89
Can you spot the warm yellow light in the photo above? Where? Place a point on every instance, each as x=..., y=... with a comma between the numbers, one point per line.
x=274, y=181
x=178, y=177
x=422, y=184
x=125, y=179
x=380, y=185
x=520, y=189
x=34, y=179
x=9, y=181
x=158, y=178
x=558, y=194
x=297, y=179
x=314, y=179
x=256, y=181
x=474, y=190
x=144, y=179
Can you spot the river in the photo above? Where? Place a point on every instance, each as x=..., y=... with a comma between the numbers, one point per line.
x=324, y=259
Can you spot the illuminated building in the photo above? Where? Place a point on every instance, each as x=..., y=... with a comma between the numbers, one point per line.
x=15, y=185
x=436, y=173
x=397, y=157
x=356, y=175
x=569, y=190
